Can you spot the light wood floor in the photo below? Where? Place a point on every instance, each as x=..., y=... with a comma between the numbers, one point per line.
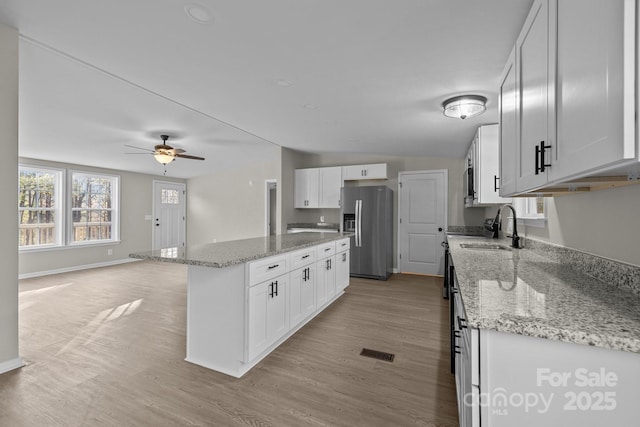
x=106, y=347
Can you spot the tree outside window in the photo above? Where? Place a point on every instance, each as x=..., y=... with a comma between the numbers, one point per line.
x=93, y=200
x=39, y=207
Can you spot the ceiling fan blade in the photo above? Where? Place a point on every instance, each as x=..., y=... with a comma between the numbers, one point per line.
x=146, y=154
x=185, y=156
x=178, y=150
x=138, y=148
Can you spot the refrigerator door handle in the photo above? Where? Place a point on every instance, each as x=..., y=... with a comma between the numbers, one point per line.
x=359, y=244
x=355, y=227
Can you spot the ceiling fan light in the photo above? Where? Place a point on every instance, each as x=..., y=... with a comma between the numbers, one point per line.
x=465, y=106
x=164, y=158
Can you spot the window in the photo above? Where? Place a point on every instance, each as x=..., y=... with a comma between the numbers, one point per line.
x=39, y=207
x=531, y=210
x=93, y=207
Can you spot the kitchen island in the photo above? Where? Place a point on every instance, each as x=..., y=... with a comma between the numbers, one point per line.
x=246, y=297
x=538, y=342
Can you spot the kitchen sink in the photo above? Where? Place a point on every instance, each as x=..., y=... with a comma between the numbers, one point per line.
x=485, y=246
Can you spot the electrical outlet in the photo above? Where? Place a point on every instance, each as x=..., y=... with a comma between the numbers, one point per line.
x=109, y=251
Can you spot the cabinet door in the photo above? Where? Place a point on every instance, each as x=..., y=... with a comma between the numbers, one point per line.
x=323, y=277
x=268, y=314
x=508, y=132
x=376, y=171
x=358, y=172
x=306, y=188
x=302, y=294
x=535, y=90
x=595, y=81
x=342, y=271
x=487, y=157
x=330, y=184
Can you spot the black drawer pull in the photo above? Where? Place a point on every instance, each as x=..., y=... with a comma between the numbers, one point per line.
x=327, y=249
x=306, y=256
x=271, y=267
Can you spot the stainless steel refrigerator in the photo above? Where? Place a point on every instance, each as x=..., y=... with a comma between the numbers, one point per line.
x=368, y=213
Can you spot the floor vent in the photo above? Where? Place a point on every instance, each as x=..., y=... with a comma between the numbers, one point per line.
x=380, y=355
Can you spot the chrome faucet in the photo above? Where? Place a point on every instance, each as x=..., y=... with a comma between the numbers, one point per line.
x=497, y=226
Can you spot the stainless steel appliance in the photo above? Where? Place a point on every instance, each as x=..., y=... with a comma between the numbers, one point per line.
x=368, y=213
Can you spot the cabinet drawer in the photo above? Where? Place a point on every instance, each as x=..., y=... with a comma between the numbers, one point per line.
x=267, y=268
x=326, y=249
x=343, y=244
x=302, y=257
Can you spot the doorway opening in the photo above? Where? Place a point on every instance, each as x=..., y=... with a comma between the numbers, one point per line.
x=271, y=197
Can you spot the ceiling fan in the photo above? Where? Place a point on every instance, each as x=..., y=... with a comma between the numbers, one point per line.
x=164, y=153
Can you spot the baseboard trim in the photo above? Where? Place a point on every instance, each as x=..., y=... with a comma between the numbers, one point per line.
x=76, y=268
x=10, y=365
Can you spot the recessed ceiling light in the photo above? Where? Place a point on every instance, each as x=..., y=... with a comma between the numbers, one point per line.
x=283, y=83
x=310, y=107
x=198, y=13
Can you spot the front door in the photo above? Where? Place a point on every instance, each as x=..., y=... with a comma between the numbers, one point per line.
x=169, y=212
x=422, y=220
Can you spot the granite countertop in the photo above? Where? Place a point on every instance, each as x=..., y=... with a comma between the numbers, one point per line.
x=318, y=225
x=225, y=254
x=522, y=292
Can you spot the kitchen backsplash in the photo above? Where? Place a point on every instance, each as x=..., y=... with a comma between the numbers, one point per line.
x=616, y=273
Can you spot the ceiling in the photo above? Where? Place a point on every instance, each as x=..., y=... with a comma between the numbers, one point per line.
x=358, y=76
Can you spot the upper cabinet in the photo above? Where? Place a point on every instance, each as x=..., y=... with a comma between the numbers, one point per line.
x=357, y=172
x=568, y=99
x=483, y=156
x=507, y=128
x=318, y=187
x=535, y=93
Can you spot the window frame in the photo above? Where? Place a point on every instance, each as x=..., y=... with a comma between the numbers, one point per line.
x=524, y=208
x=115, y=209
x=59, y=207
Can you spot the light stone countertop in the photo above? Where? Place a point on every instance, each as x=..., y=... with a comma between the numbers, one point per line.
x=225, y=254
x=522, y=292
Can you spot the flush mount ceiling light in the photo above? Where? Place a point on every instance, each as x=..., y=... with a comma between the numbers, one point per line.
x=198, y=13
x=465, y=106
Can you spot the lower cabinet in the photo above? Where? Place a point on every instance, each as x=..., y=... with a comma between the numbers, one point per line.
x=302, y=294
x=342, y=271
x=268, y=314
x=326, y=280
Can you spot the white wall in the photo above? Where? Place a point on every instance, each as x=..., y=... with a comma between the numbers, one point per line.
x=603, y=222
x=9, y=357
x=229, y=204
x=136, y=201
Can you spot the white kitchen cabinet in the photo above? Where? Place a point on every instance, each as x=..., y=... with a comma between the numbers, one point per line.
x=534, y=80
x=342, y=264
x=575, y=103
x=485, y=152
x=508, y=131
x=302, y=294
x=330, y=185
x=325, y=273
x=268, y=314
x=302, y=288
x=306, y=188
x=595, y=82
x=359, y=172
x=318, y=187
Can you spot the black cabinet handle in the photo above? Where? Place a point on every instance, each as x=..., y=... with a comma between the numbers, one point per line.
x=276, y=291
x=271, y=267
x=271, y=289
x=460, y=325
x=456, y=349
x=306, y=256
x=327, y=249
x=540, y=157
x=495, y=182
